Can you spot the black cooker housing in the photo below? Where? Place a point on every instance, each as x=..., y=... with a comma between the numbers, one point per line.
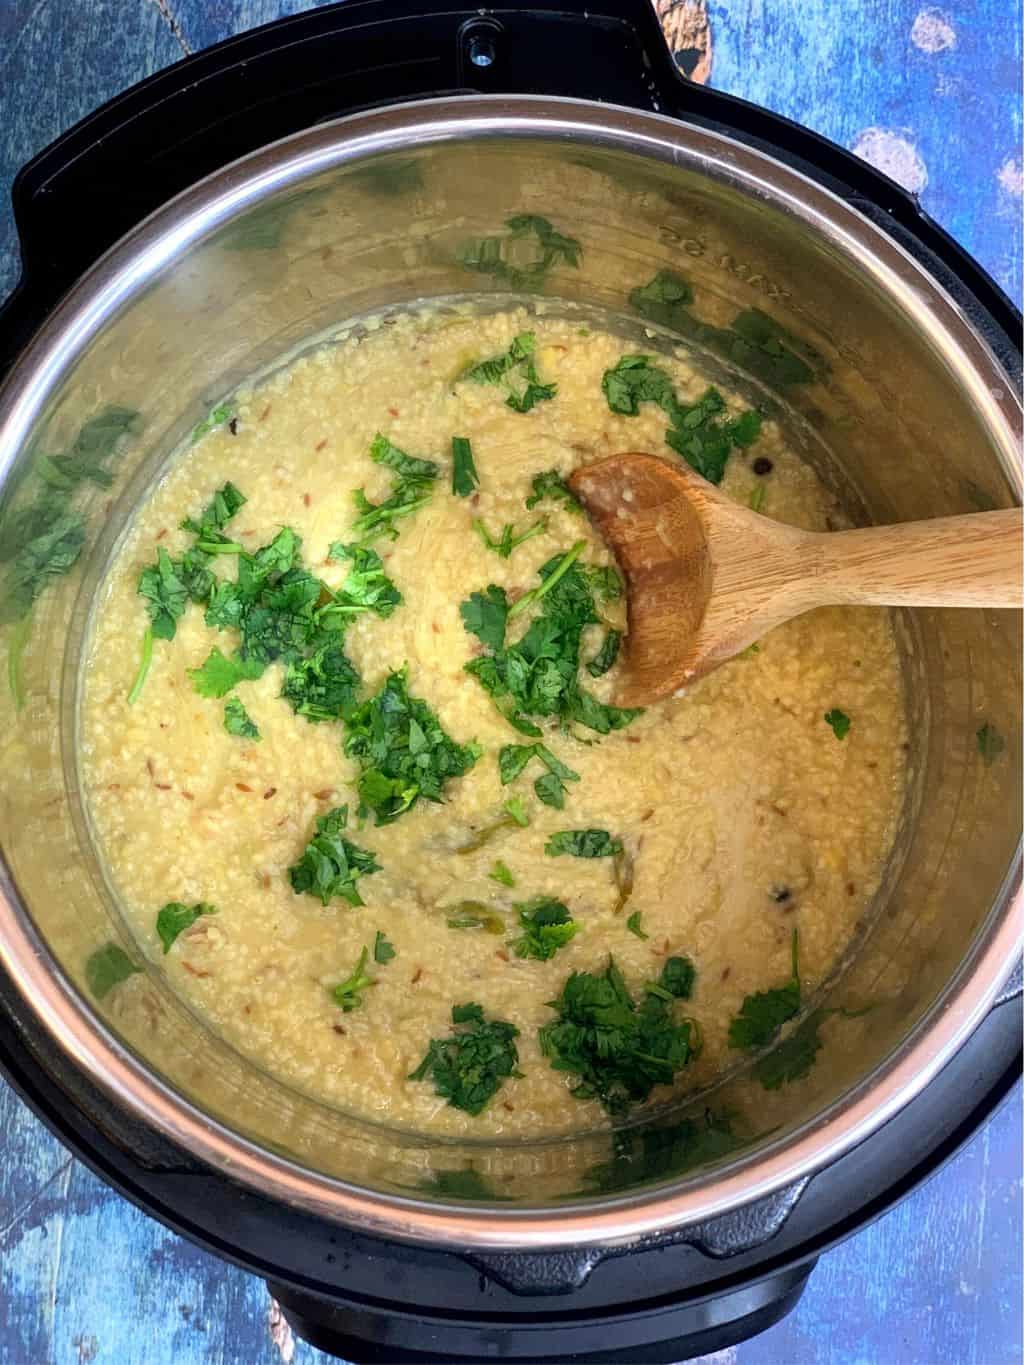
x=663, y=1299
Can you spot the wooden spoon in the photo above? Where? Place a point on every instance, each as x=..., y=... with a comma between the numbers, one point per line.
x=706, y=577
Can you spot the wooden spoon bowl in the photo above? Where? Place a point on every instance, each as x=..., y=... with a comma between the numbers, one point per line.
x=706, y=577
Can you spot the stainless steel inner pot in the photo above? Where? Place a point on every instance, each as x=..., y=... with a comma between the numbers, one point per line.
x=908, y=410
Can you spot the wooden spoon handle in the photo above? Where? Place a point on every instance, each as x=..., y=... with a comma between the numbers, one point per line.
x=967, y=561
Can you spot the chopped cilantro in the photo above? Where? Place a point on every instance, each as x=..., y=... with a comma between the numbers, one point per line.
x=323, y=686
x=484, y=615
x=757, y=497
x=217, y=417
x=664, y=1153
x=43, y=539
x=366, y=587
x=166, y=594
x=695, y=431
x=222, y=507
x=537, y=675
x=508, y=540
x=218, y=675
x=503, y=258
x=468, y=1068
x=410, y=490
x=106, y=968
x=755, y=342
x=839, y=721
x=330, y=865
x=348, y=994
x=516, y=372
x=501, y=873
x=990, y=743
x=237, y=720
x=516, y=808
x=174, y=918
x=633, y=925
x=383, y=951
x=677, y=977
x=793, y=1058
x=556, y=572
x=551, y=485
x=145, y=660
x=464, y=475
x=605, y=657
x=763, y=1014
x=618, y=1050
x=547, y=927
x=583, y=843
x=550, y=788
x=403, y=751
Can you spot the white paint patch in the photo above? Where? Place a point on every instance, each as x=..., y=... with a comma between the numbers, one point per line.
x=1011, y=177
x=726, y=1357
x=894, y=156
x=280, y=1332
x=932, y=31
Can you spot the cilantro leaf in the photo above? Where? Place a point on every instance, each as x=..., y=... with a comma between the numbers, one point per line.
x=583, y=843
x=633, y=925
x=537, y=675
x=606, y=656
x=383, y=951
x=484, y=615
x=323, y=686
x=508, y=540
x=403, y=751
x=500, y=256
x=990, y=743
x=166, y=594
x=550, y=788
x=793, y=1058
x=218, y=675
x=548, y=926
x=516, y=809
x=216, y=417
x=755, y=342
x=839, y=721
x=619, y=1051
x=469, y=1067
x=106, y=968
x=410, y=490
x=366, y=588
x=464, y=475
x=763, y=1013
x=44, y=539
x=516, y=372
x=551, y=485
x=222, y=507
x=331, y=865
x=174, y=918
x=677, y=977
x=237, y=720
x=500, y=872
x=694, y=431
x=348, y=994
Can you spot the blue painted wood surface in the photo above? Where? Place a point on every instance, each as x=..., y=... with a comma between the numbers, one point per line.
x=932, y=95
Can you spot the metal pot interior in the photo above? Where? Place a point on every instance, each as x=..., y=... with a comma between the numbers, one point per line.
x=902, y=407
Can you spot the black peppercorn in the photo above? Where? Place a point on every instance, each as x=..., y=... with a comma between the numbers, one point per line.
x=779, y=894
x=762, y=465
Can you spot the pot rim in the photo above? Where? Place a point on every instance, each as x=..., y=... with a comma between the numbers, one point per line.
x=135, y=261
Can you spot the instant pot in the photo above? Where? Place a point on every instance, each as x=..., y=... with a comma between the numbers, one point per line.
x=210, y=221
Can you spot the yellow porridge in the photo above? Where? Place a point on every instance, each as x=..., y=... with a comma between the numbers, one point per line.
x=374, y=770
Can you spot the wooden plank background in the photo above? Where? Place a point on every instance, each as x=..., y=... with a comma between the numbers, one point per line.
x=930, y=95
